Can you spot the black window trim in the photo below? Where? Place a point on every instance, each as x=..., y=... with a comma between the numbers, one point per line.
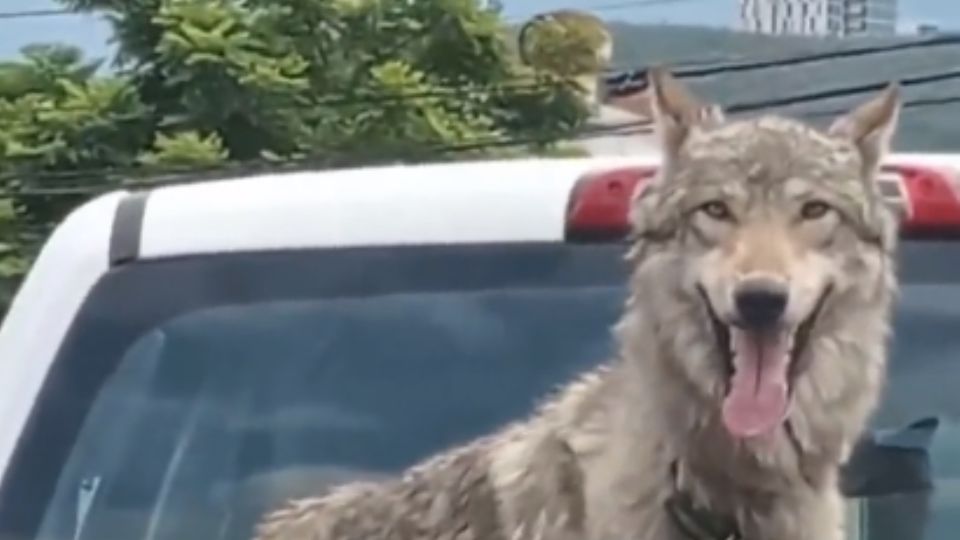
x=127, y=229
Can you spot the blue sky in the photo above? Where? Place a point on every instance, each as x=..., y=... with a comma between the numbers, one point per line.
x=92, y=34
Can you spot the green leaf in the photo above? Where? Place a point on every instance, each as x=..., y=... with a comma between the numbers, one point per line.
x=206, y=82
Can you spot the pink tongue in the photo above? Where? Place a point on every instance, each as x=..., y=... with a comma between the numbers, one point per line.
x=757, y=402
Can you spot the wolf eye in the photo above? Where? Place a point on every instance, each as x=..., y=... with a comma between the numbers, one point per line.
x=814, y=210
x=717, y=210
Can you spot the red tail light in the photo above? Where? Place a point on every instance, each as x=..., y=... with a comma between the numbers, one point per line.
x=927, y=197
x=599, y=206
x=933, y=197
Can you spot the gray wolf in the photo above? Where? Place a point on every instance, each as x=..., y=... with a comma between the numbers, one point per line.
x=751, y=355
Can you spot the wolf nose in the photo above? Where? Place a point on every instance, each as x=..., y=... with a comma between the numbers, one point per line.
x=760, y=303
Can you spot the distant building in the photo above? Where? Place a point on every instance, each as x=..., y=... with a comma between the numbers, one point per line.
x=802, y=17
x=841, y=18
x=927, y=29
x=863, y=17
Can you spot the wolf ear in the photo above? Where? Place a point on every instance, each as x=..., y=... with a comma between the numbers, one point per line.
x=676, y=110
x=871, y=126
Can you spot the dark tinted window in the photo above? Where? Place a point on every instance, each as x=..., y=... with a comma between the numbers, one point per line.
x=259, y=377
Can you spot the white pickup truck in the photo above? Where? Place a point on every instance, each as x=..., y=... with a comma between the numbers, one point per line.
x=180, y=358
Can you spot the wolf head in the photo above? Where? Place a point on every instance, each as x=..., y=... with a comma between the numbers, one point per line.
x=763, y=260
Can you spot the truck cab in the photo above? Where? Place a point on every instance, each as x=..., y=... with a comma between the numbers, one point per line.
x=181, y=359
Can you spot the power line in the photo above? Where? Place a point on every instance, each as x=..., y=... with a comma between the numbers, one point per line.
x=153, y=177
x=634, y=79
x=737, y=107
x=848, y=91
x=30, y=14
x=911, y=104
x=139, y=177
x=509, y=88
x=344, y=100
x=740, y=107
x=638, y=75
x=841, y=92
x=938, y=41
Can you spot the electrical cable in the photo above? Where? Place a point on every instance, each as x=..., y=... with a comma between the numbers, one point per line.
x=36, y=13
x=705, y=68
x=145, y=177
x=638, y=75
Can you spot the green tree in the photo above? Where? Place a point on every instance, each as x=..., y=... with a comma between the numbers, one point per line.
x=338, y=79
x=203, y=83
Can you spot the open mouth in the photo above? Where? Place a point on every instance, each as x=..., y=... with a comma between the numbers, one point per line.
x=761, y=366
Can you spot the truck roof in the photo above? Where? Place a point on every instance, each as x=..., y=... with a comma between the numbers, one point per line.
x=487, y=201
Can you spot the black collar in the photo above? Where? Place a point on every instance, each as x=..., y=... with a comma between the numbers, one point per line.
x=697, y=523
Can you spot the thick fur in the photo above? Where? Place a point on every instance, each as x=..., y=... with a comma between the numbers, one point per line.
x=594, y=462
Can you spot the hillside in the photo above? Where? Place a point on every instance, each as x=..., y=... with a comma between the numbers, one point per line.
x=926, y=128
